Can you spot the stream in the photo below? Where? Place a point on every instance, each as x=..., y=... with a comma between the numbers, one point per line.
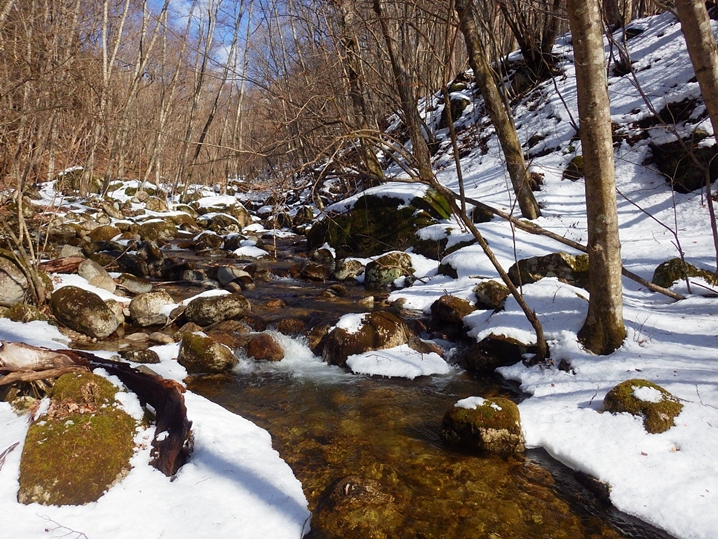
x=367, y=449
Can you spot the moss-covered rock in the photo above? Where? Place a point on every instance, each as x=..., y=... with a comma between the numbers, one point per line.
x=671, y=271
x=80, y=447
x=157, y=230
x=574, y=169
x=372, y=227
x=387, y=268
x=104, y=233
x=24, y=312
x=484, y=425
x=201, y=354
x=490, y=294
x=642, y=398
x=447, y=314
x=570, y=269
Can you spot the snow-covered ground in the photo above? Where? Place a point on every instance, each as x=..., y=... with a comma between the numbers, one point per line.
x=236, y=485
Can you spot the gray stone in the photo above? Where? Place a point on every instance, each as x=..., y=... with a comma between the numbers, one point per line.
x=208, y=310
x=12, y=283
x=145, y=308
x=387, y=268
x=227, y=274
x=84, y=312
x=96, y=275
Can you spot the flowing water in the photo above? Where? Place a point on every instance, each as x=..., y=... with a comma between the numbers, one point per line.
x=368, y=453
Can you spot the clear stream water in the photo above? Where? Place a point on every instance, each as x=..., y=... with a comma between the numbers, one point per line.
x=368, y=453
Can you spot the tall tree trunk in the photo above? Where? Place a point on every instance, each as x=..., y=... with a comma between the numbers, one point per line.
x=353, y=72
x=500, y=117
x=404, y=83
x=603, y=331
x=702, y=49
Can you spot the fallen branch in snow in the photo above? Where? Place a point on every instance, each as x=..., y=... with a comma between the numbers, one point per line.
x=18, y=356
x=6, y=452
x=533, y=228
x=62, y=265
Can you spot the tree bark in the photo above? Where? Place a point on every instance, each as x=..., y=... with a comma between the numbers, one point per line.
x=603, y=331
x=500, y=117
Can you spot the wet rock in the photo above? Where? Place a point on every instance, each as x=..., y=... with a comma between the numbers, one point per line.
x=379, y=330
x=490, y=294
x=566, y=268
x=312, y=271
x=357, y=506
x=140, y=356
x=134, y=265
x=317, y=337
x=484, y=425
x=348, y=269
x=96, y=275
x=145, y=309
x=492, y=352
x=425, y=347
x=324, y=256
x=83, y=311
x=275, y=303
x=335, y=291
x=291, y=326
x=12, y=282
x=258, y=273
x=201, y=354
x=263, y=346
x=227, y=274
x=387, y=268
x=209, y=310
x=671, y=271
x=133, y=284
x=642, y=398
x=82, y=446
x=447, y=314
x=232, y=242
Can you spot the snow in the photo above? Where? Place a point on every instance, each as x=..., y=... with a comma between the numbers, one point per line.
x=400, y=361
x=234, y=485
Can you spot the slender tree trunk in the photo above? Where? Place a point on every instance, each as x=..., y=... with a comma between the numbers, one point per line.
x=500, y=117
x=603, y=331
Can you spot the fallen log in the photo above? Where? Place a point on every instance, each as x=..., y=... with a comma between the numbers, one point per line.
x=62, y=265
x=18, y=356
x=172, y=443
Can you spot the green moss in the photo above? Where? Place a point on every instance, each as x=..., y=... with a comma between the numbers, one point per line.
x=80, y=448
x=574, y=169
x=657, y=416
x=23, y=312
x=84, y=388
x=671, y=271
x=494, y=425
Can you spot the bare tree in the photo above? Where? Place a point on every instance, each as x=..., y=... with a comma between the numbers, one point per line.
x=603, y=331
x=499, y=114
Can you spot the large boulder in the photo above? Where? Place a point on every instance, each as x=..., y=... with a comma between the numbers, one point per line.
x=209, y=310
x=644, y=399
x=447, y=314
x=387, y=268
x=493, y=351
x=373, y=225
x=80, y=448
x=157, y=229
x=479, y=424
x=379, y=330
x=490, y=294
x=570, y=269
x=201, y=354
x=12, y=283
x=84, y=312
x=671, y=271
